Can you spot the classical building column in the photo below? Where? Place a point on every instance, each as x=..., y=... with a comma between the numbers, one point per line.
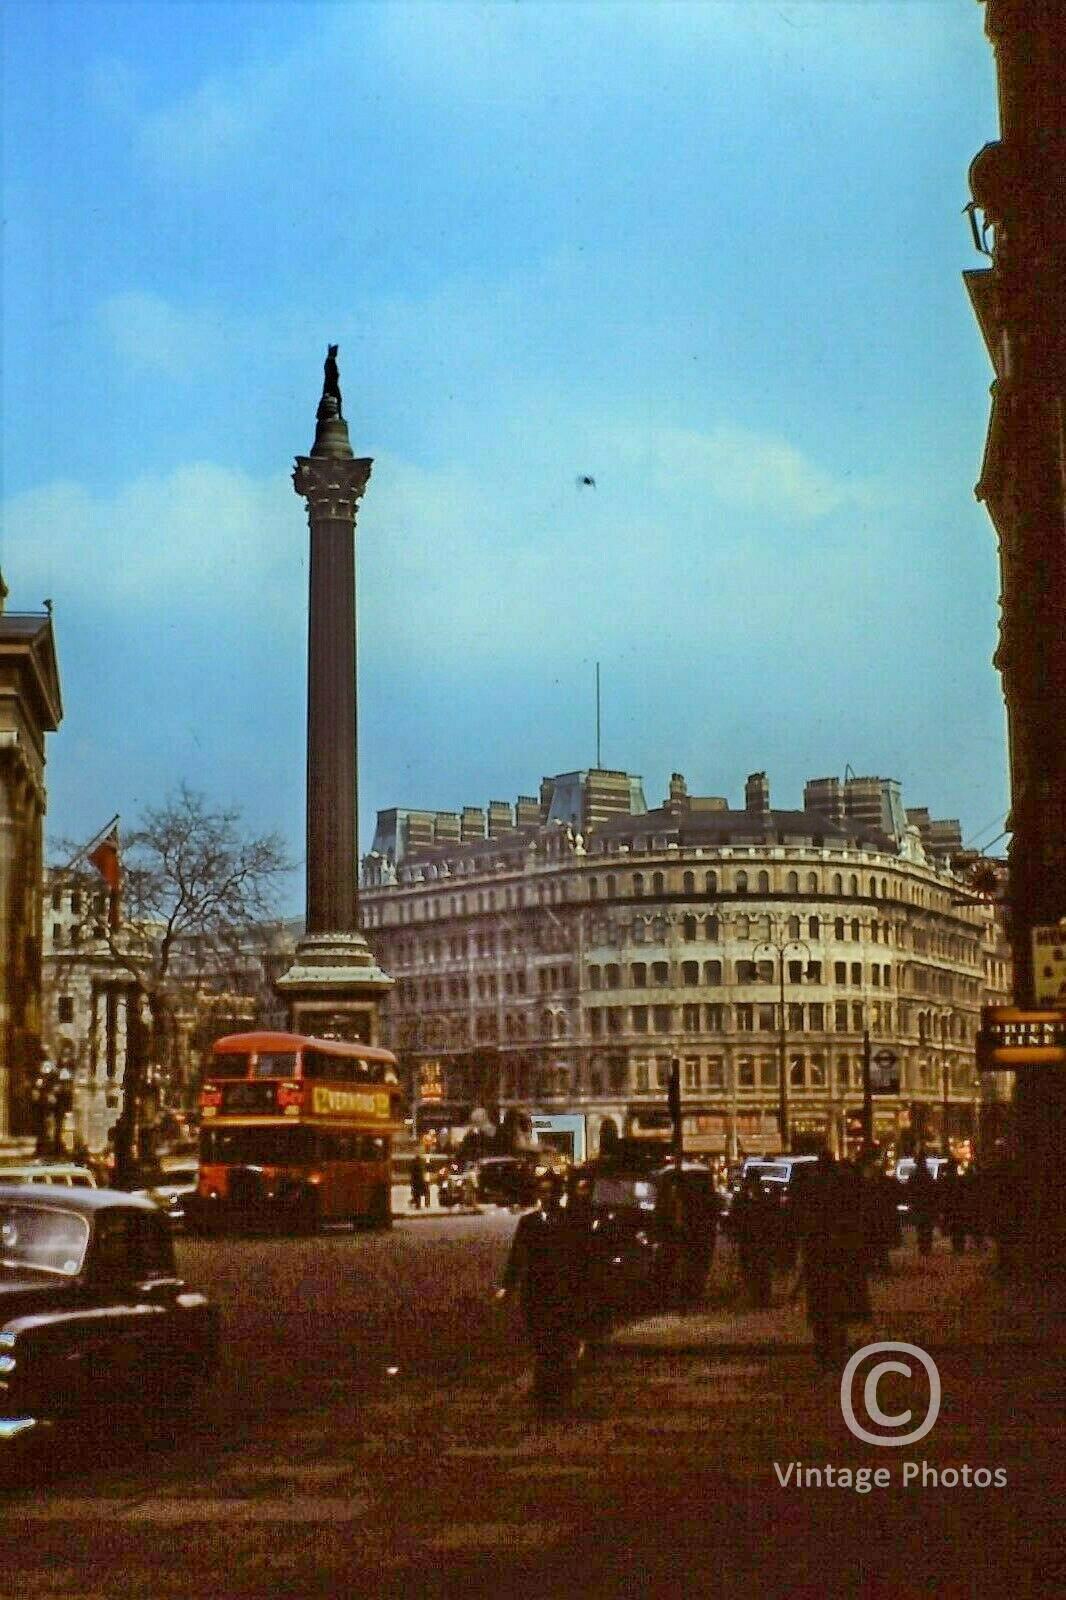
x=334, y=984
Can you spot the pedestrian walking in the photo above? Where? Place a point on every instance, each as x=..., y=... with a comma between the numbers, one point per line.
x=419, y=1184
x=756, y=1224
x=921, y=1195
x=550, y=1267
x=952, y=1206
x=833, y=1264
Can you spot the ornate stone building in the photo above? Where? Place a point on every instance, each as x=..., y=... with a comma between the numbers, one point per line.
x=559, y=955
x=30, y=707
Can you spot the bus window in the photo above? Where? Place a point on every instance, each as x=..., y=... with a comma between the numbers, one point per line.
x=246, y=1064
x=372, y=1147
x=336, y=1069
x=229, y=1065
x=275, y=1064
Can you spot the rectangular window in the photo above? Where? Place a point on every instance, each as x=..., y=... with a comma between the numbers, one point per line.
x=856, y=1016
x=691, y=1018
x=814, y=972
x=715, y=1072
x=692, y=1072
x=817, y=1015
x=661, y=1018
x=641, y=1077
x=595, y=1017
x=795, y=1019
x=840, y=1016
x=746, y=1073
x=714, y=1018
x=766, y=1019
x=840, y=972
x=745, y=1019
x=66, y=1008
x=614, y=1019
x=690, y=973
x=639, y=1016
x=768, y=1073
x=660, y=973
x=856, y=972
x=795, y=972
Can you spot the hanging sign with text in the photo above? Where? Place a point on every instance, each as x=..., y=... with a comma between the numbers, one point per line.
x=1010, y=1037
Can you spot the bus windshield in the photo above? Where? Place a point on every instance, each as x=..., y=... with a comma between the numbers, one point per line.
x=284, y=1145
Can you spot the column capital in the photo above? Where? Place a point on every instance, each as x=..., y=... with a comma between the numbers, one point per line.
x=332, y=487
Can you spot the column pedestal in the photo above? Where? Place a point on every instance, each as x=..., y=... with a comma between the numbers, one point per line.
x=333, y=988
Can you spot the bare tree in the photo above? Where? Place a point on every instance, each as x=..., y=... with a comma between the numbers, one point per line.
x=198, y=897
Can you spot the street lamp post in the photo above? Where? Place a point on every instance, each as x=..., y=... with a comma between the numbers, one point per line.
x=783, y=1125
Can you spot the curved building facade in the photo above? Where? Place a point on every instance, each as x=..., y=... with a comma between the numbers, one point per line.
x=562, y=964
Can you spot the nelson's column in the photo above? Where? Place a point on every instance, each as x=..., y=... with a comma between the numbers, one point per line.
x=334, y=984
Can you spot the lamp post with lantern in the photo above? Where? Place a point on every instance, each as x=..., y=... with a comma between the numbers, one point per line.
x=778, y=947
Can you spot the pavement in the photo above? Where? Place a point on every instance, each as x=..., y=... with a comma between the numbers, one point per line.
x=704, y=1454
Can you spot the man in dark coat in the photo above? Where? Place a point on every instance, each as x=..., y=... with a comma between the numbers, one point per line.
x=550, y=1267
x=921, y=1197
x=419, y=1184
x=834, y=1257
x=756, y=1224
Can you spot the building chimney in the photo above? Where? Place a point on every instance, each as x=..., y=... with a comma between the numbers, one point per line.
x=757, y=795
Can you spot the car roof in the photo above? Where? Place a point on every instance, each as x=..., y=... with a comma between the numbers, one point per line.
x=75, y=1199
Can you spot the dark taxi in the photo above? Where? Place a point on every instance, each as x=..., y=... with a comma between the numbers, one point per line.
x=92, y=1311
x=655, y=1229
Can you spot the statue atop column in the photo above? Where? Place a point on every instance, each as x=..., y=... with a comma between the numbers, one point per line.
x=330, y=404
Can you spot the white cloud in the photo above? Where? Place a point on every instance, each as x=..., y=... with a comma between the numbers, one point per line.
x=197, y=539
x=739, y=468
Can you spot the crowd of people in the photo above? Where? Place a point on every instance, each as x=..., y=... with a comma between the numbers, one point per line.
x=829, y=1235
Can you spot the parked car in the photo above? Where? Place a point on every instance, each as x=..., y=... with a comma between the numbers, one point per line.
x=66, y=1174
x=457, y=1184
x=93, y=1315
x=507, y=1180
x=905, y=1172
x=170, y=1193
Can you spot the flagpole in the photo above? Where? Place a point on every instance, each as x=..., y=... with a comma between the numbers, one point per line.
x=95, y=840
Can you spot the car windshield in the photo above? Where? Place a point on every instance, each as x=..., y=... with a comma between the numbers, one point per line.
x=42, y=1239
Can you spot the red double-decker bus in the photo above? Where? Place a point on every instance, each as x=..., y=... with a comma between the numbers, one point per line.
x=295, y=1131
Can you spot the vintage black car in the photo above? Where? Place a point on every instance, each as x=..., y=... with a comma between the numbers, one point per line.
x=654, y=1228
x=92, y=1311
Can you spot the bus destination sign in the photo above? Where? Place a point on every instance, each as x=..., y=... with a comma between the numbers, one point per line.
x=1010, y=1037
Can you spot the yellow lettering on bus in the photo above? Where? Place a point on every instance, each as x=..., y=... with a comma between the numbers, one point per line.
x=348, y=1102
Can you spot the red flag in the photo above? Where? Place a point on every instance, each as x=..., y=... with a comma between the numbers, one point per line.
x=105, y=859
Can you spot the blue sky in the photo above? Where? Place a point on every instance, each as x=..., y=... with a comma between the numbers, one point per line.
x=707, y=254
